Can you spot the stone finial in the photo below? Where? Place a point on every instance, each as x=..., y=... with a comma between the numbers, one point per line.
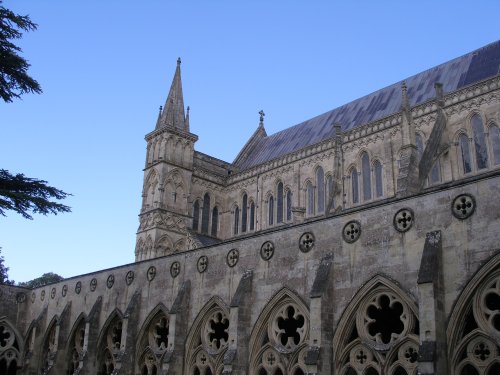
x=160, y=110
x=438, y=87
x=262, y=114
x=405, y=103
x=178, y=61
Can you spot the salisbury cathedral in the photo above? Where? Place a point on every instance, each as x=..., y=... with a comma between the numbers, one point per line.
x=362, y=241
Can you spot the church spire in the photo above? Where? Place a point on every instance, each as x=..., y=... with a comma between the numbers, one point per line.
x=173, y=111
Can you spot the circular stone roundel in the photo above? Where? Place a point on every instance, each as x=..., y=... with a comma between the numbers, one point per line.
x=64, y=290
x=175, y=269
x=20, y=297
x=202, y=264
x=403, y=220
x=463, y=206
x=42, y=295
x=78, y=287
x=93, y=284
x=129, y=278
x=232, y=257
x=33, y=297
x=267, y=250
x=151, y=273
x=306, y=242
x=53, y=293
x=351, y=231
x=110, y=281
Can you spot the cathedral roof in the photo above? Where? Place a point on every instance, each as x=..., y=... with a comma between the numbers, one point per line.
x=471, y=68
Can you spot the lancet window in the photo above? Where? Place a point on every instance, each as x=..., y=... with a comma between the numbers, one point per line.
x=320, y=196
x=366, y=175
x=279, y=203
x=479, y=142
x=49, y=350
x=495, y=143
x=196, y=214
x=205, y=214
x=236, y=220
x=270, y=207
x=244, y=213
x=215, y=221
x=354, y=186
x=252, y=216
x=463, y=141
x=379, y=186
x=309, y=198
x=288, y=205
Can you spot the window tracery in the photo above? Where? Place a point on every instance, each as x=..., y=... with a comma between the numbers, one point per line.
x=208, y=340
x=154, y=342
x=110, y=345
x=9, y=349
x=378, y=334
x=49, y=347
x=474, y=327
x=77, y=347
x=279, y=339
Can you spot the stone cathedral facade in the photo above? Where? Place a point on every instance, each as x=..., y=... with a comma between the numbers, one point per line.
x=363, y=241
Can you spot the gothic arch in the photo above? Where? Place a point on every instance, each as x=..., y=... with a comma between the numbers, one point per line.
x=49, y=345
x=473, y=330
x=377, y=330
x=76, y=344
x=207, y=339
x=109, y=342
x=280, y=335
x=153, y=341
x=163, y=246
x=11, y=348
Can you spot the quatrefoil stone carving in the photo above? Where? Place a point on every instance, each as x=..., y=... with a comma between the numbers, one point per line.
x=53, y=293
x=202, y=264
x=110, y=281
x=151, y=273
x=267, y=250
x=403, y=219
x=351, y=231
x=306, y=242
x=129, y=278
x=78, y=287
x=232, y=257
x=93, y=284
x=463, y=206
x=175, y=269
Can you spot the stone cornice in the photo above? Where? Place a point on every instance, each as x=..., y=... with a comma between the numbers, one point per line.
x=168, y=129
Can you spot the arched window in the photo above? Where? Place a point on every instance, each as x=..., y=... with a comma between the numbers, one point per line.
x=367, y=185
x=329, y=191
x=271, y=210
x=288, y=205
x=479, y=142
x=435, y=172
x=236, y=219
x=354, y=186
x=377, y=167
x=205, y=214
x=215, y=221
x=279, y=203
x=320, y=183
x=196, y=214
x=495, y=143
x=465, y=153
x=420, y=146
x=244, y=214
x=252, y=216
x=310, y=198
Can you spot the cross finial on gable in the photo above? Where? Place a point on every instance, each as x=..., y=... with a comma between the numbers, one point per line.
x=262, y=114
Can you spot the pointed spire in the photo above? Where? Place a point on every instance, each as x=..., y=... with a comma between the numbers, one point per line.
x=173, y=112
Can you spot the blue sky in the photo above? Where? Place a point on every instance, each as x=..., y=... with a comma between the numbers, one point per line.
x=106, y=66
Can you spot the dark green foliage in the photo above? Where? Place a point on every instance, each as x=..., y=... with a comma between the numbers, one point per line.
x=46, y=278
x=14, y=79
x=4, y=278
x=22, y=194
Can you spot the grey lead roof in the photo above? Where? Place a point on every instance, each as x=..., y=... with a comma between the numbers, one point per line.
x=473, y=67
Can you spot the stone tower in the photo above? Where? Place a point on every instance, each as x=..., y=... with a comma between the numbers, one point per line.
x=164, y=216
